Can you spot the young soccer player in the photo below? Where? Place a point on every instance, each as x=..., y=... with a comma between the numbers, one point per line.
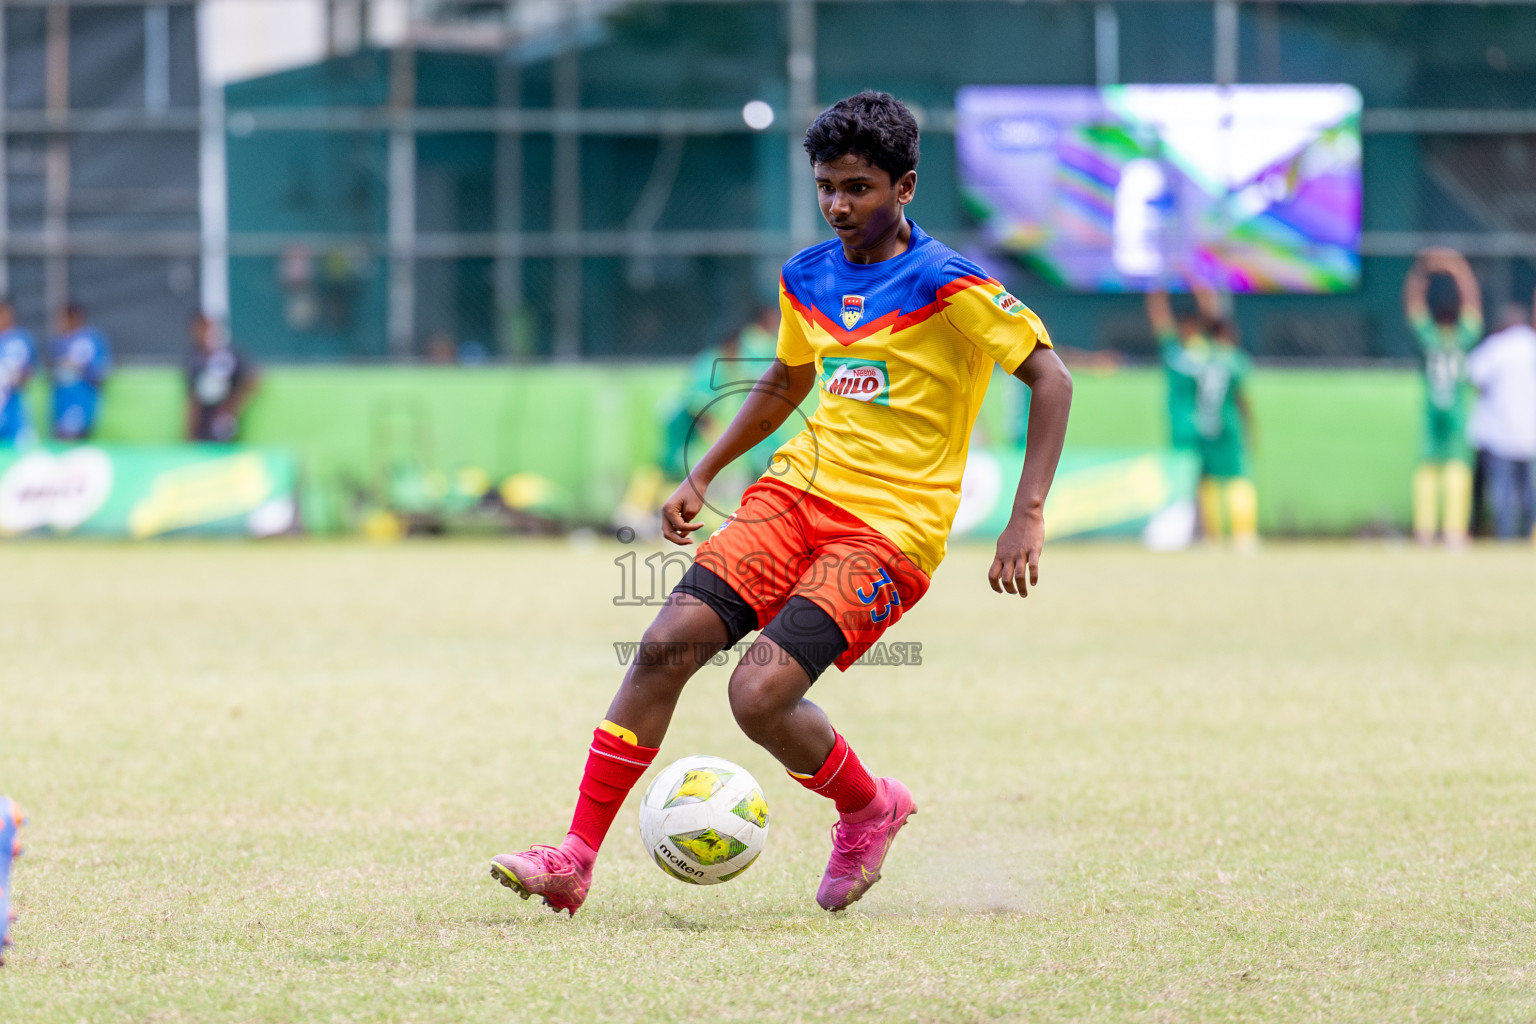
x=1181, y=344
x=1445, y=331
x=1208, y=411
x=837, y=540
x=1224, y=422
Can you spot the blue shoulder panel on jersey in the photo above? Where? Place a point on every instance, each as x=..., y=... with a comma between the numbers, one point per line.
x=959, y=266
x=820, y=278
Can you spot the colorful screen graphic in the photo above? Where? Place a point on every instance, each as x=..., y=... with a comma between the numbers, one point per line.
x=1251, y=188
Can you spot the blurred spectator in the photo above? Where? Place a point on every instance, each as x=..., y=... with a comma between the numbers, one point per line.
x=78, y=360
x=18, y=357
x=718, y=379
x=1503, y=425
x=220, y=381
x=1445, y=329
x=759, y=339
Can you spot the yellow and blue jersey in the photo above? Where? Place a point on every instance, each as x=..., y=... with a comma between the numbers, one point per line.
x=903, y=351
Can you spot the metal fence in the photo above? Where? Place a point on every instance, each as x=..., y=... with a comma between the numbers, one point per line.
x=516, y=179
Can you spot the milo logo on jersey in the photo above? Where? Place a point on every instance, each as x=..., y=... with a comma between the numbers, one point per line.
x=863, y=380
x=1008, y=304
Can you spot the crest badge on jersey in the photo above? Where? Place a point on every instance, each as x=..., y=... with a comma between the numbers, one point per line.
x=853, y=310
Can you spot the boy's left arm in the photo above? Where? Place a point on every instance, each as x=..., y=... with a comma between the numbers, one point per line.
x=1018, y=549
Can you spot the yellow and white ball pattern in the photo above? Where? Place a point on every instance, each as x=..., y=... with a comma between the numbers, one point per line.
x=704, y=820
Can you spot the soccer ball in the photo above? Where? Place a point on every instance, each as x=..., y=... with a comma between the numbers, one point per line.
x=704, y=820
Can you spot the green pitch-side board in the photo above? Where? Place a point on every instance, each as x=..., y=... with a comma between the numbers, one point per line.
x=1098, y=492
x=1334, y=454
x=139, y=492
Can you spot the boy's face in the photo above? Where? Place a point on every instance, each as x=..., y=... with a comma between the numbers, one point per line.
x=860, y=201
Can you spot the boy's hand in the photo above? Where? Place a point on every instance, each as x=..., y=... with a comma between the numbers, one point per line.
x=1018, y=549
x=677, y=514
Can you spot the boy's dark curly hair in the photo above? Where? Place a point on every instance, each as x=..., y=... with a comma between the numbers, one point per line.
x=873, y=125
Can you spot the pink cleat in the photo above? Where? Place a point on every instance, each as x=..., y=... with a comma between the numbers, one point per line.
x=560, y=874
x=860, y=842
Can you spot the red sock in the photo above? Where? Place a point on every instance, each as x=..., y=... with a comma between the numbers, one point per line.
x=614, y=765
x=842, y=778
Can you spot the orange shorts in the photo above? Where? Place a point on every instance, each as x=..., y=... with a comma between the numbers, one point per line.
x=784, y=542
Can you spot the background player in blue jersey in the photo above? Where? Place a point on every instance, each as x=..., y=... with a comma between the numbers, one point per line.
x=18, y=358
x=78, y=361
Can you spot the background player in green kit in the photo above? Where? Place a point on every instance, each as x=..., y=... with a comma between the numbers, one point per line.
x=1225, y=426
x=1445, y=330
x=1181, y=343
x=1207, y=409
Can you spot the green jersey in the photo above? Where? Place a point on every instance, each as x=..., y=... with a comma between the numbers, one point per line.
x=1223, y=370
x=1181, y=367
x=715, y=390
x=1445, y=375
x=1445, y=358
x=721, y=381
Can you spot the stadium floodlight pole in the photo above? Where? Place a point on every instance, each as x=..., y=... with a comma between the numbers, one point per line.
x=1224, y=13
x=800, y=67
x=56, y=161
x=567, y=196
x=508, y=197
x=1106, y=44
x=213, y=190
x=402, y=202
x=157, y=57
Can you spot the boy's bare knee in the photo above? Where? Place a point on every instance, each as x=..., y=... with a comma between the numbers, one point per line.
x=758, y=705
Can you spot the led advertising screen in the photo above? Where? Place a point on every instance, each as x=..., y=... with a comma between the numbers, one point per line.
x=1252, y=188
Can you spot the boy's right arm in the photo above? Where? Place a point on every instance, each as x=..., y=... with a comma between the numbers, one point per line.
x=777, y=393
x=1415, y=289
x=1160, y=314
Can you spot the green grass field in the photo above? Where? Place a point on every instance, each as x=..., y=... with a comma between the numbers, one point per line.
x=264, y=782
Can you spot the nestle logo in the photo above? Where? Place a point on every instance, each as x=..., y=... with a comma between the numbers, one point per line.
x=861, y=381
x=855, y=382
x=1020, y=134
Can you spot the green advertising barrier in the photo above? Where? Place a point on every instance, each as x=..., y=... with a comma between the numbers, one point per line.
x=147, y=491
x=1334, y=455
x=1147, y=493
